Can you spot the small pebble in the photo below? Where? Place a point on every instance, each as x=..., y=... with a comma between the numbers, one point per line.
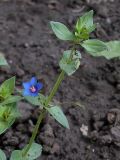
x=55, y=148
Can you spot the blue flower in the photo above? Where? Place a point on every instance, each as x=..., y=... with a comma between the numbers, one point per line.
x=32, y=87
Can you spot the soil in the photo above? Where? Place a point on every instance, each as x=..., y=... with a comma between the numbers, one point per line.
x=31, y=49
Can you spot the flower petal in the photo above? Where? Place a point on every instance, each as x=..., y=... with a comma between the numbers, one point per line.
x=26, y=85
x=39, y=86
x=26, y=92
x=34, y=94
x=33, y=81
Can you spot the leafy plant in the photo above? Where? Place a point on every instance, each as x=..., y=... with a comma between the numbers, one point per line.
x=69, y=64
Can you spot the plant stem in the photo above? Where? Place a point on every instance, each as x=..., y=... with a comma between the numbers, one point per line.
x=55, y=88
x=58, y=82
x=40, y=118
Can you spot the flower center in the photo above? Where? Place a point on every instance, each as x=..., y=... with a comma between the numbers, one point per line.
x=33, y=89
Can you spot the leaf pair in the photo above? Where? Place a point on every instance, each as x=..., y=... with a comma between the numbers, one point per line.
x=34, y=153
x=8, y=114
x=83, y=28
x=8, y=106
x=54, y=110
x=85, y=22
x=70, y=63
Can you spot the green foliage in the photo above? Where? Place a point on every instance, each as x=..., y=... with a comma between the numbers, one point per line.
x=94, y=46
x=36, y=101
x=3, y=61
x=70, y=63
x=61, y=31
x=8, y=114
x=42, y=100
x=82, y=36
x=33, y=100
x=11, y=99
x=58, y=114
x=113, y=50
x=7, y=88
x=85, y=21
x=17, y=155
x=2, y=155
x=84, y=26
x=34, y=153
x=98, y=48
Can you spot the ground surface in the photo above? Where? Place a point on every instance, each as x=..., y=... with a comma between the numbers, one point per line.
x=31, y=49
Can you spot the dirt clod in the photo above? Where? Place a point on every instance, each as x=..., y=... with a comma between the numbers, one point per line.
x=107, y=131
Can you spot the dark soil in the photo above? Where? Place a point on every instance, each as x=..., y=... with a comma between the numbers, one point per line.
x=32, y=49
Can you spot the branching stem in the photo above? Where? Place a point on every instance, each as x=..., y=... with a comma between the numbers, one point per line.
x=42, y=114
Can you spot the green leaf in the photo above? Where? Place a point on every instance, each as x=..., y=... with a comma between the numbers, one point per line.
x=42, y=100
x=113, y=50
x=2, y=155
x=16, y=155
x=37, y=101
x=83, y=35
x=33, y=100
x=94, y=46
x=34, y=152
x=7, y=88
x=3, y=61
x=58, y=114
x=61, y=31
x=86, y=21
x=11, y=99
x=92, y=28
x=8, y=114
x=70, y=65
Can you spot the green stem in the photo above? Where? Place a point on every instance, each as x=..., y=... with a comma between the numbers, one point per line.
x=71, y=55
x=55, y=88
x=40, y=118
x=58, y=82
